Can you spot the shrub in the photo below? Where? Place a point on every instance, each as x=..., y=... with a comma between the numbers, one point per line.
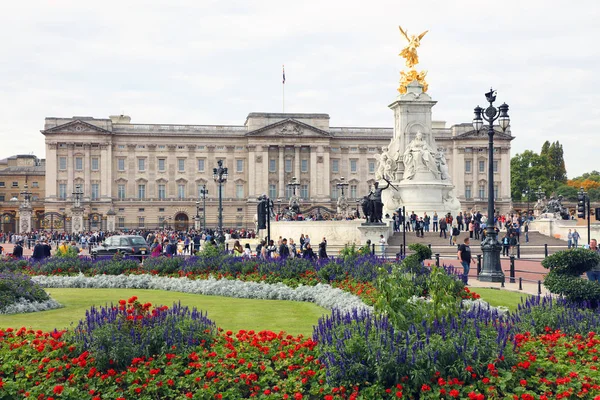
x=15, y=287
x=115, y=335
x=572, y=262
x=423, y=252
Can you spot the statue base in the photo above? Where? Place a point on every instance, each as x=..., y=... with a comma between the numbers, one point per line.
x=373, y=232
x=421, y=196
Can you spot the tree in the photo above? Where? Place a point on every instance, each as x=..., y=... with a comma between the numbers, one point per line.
x=558, y=172
x=529, y=171
x=567, y=191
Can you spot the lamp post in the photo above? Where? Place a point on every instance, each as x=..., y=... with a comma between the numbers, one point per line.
x=77, y=195
x=26, y=196
x=294, y=184
x=204, y=192
x=342, y=204
x=526, y=192
x=342, y=184
x=491, y=270
x=220, y=177
x=278, y=206
x=169, y=226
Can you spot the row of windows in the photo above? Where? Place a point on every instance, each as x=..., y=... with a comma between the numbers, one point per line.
x=95, y=163
x=181, y=162
x=289, y=191
x=34, y=197
x=94, y=195
x=482, y=163
x=335, y=166
x=16, y=184
x=336, y=192
x=482, y=192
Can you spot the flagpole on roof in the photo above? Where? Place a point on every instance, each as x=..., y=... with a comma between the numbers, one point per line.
x=283, y=91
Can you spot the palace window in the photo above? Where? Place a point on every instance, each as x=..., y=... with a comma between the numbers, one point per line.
x=496, y=191
x=181, y=191
x=272, y=190
x=353, y=166
x=161, y=164
x=468, y=166
x=288, y=192
x=121, y=222
x=272, y=165
x=35, y=184
x=482, y=191
x=304, y=165
x=201, y=165
x=162, y=192
x=62, y=191
x=79, y=163
x=141, y=222
x=2, y=197
x=354, y=149
x=181, y=164
x=121, y=191
x=141, y=192
x=95, y=191
x=481, y=166
x=121, y=146
x=468, y=194
x=95, y=163
x=141, y=164
x=239, y=165
x=2, y=184
x=121, y=164
x=371, y=167
x=199, y=147
x=495, y=166
x=239, y=191
x=62, y=163
x=288, y=165
x=304, y=191
x=335, y=166
x=353, y=190
x=334, y=192
x=15, y=184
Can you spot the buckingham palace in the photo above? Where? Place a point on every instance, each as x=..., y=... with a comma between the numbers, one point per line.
x=150, y=175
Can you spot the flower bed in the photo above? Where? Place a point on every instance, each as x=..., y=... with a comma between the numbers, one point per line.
x=20, y=294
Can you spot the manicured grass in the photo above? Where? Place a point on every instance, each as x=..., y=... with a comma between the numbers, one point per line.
x=228, y=313
x=501, y=297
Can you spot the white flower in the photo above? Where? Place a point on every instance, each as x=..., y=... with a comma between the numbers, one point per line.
x=321, y=294
x=25, y=306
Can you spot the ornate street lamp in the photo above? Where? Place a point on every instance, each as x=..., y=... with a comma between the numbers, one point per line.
x=26, y=193
x=342, y=184
x=491, y=270
x=278, y=206
x=526, y=194
x=77, y=195
x=294, y=184
x=203, y=192
x=220, y=177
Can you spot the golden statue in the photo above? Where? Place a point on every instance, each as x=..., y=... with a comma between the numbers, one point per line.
x=409, y=53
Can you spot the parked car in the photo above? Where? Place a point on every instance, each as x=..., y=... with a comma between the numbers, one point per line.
x=128, y=245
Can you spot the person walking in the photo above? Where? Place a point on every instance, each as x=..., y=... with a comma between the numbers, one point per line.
x=435, y=222
x=443, y=227
x=569, y=239
x=460, y=221
x=576, y=238
x=594, y=273
x=284, y=250
x=512, y=240
x=505, y=244
x=17, y=251
x=308, y=252
x=464, y=255
x=156, y=249
x=427, y=221
x=526, y=230
x=455, y=233
x=323, y=249
x=238, y=250
x=382, y=244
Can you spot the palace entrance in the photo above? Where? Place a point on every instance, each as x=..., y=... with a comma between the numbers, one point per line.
x=182, y=222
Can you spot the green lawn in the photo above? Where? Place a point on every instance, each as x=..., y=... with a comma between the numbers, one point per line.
x=227, y=312
x=498, y=297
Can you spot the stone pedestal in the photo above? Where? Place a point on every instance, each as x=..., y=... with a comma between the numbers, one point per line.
x=373, y=232
x=110, y=223
x=77, y=219
x=25, y=214
x=197, y=223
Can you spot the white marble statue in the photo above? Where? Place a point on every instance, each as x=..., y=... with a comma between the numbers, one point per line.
x=442, y=165
x=387, y=166
x=419, y=156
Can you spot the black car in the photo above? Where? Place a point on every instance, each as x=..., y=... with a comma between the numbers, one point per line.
x=128, y=245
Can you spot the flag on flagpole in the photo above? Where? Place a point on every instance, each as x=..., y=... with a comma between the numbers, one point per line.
x=283, y=75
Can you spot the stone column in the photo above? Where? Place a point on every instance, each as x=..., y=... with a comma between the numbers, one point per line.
x=87, y=166
x=191, y=167
x=25, y=213
x=327, y=173
x=111, y=220
x=131, y=169
x=152, y=189
x=251, y=172
x=297, y=171
x=51, y=170
x=265, y=170
x=211, y=163
x=314, y=184
x=172, y=166
x=77, y=224
x=106, y=161
x=281, y=169
x=70, y=169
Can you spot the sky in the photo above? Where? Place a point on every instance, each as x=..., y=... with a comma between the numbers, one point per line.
x=213, y=62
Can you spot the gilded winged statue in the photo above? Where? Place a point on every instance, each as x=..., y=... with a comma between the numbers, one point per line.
x=409, y=53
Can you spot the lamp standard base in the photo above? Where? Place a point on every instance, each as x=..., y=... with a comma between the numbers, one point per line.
x=491, y=268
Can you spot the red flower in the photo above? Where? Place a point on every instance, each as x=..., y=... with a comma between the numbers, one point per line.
x=425, y=388
x=122, y=302
x=523, y=382
x=454, y=393
x=132, y=299
x=58, y=389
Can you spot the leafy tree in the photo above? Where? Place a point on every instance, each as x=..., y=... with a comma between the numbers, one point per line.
x=567, y=191
x=532, y=170
x=558, y=172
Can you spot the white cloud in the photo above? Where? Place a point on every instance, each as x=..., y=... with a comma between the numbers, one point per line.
x=213, y=62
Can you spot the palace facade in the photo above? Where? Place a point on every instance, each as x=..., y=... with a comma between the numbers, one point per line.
x=151, y=175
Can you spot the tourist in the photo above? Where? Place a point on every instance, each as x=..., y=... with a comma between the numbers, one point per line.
x=17, y=251
x=247, y=251
x=323, y=249
x=435, y=222
x=238, y=250
x=569, y=239
x=284, y=250
x=464, y=255
x=426, y=221
x=302, y=242
x=471, y=228
x=459, y=222
x=271, y=249
x=419, y=227
x=443, y=227
x=308, y=253
x=594, y=273
x=382, y=243
x=73, y=248
x=512, y=240
x=455, y=233
x=576, y=237
x=47, y=250
x=156, y=248
x=293, y=250
x=413, y=220
x=526, y=230
x=505, y=244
